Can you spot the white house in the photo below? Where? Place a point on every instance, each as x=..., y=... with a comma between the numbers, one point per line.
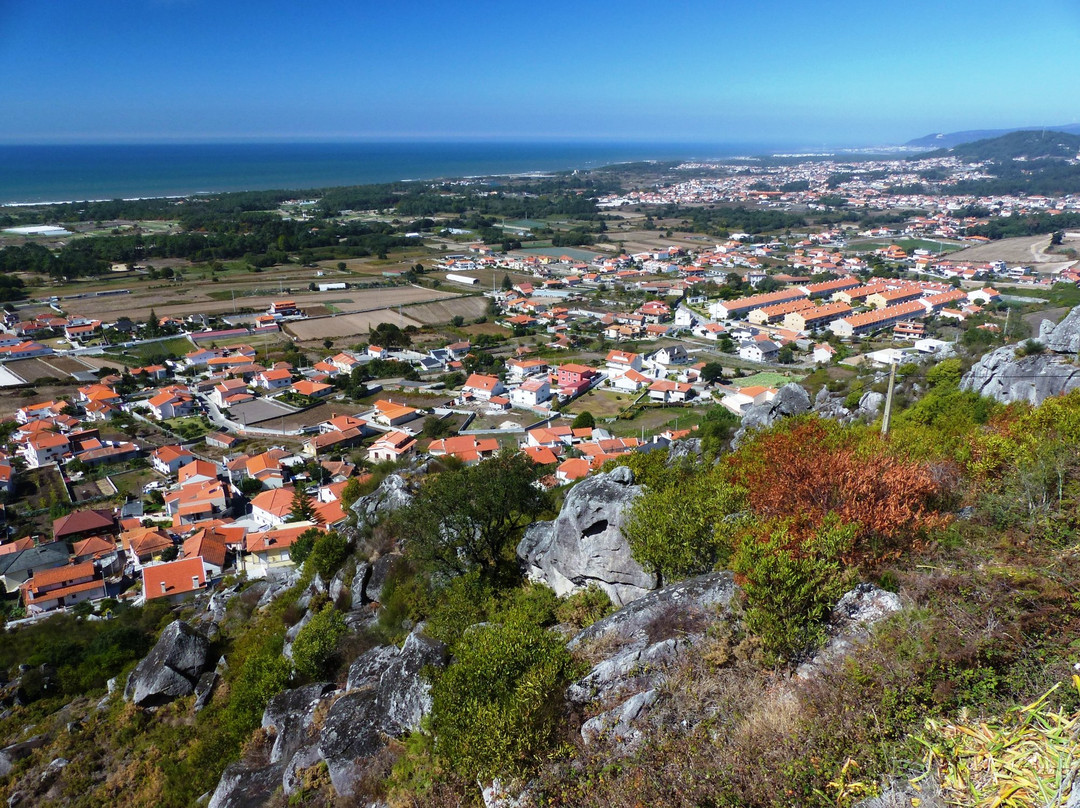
x=758, y=350
x=531, y=393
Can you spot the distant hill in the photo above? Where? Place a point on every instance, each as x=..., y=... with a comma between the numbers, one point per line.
x=1015, y=145
x=947, y=140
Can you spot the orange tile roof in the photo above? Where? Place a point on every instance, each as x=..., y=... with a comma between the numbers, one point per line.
x=173, y=578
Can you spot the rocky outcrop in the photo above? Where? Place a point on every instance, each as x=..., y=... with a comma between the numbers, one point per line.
x=386, y=697
x=240, y=787
x=172, y=668
x=585, y=545
x=1006, y=377
x=647, y=638
x=290, y=715
x=10, y=755
x=392, y=494
x=849, y=624
x=790, y=400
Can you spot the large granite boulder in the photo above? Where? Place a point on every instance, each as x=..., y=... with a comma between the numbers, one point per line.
x=392, y=494
x=172, y=668
x=350, y=735
x=585, y=545
x=10, y=755
x=1063, y=338
x=705, y=595
x=291, y=714
x=790, y=400
x=1006, y=377
x=241, y=787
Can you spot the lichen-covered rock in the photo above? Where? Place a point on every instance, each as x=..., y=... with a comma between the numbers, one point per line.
x=171, y=669
x=404, y=695
x=290, y=714
x=204, y=689
x=850, y=624
x=633, y=668
x=870, y=403
x=349, y=735
x=241, y=787
x=10, y=755
x=381, y=570
x=618, y=723
x=368, y=668
x=706, y=595
x=585, y=545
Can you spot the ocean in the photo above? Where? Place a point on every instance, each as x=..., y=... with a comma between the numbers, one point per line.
x=61, y=173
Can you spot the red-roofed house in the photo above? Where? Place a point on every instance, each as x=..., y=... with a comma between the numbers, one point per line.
x=174, y=580
x=391, y=446
x=169, y=459
x=60, y=587
x=269, y=549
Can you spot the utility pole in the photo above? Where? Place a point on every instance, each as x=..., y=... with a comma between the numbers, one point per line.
x=888, y=400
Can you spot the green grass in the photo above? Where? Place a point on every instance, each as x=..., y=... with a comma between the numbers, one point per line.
x=766, y=378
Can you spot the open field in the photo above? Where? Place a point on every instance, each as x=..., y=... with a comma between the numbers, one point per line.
x=346, y=325
x=444, y=311
x=602, y=403
x=34, y=370
x=1023, y=250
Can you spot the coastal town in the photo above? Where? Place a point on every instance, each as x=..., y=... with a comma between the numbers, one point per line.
x=214, y=460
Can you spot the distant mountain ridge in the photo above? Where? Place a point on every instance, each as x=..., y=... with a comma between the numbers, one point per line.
x=1024, y=145
x=949, y=140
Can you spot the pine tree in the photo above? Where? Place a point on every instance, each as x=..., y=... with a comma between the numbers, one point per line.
x=301, y=510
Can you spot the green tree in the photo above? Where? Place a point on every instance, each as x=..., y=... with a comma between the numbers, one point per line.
x=507, y=284
x=302, y=546
x=497, y=709
x=470, y=518
x=316, y=644
x=678, y=528
x=350, y=493
x=301, y=510
x=583, y=420
x=712, y=372
x=328, y=554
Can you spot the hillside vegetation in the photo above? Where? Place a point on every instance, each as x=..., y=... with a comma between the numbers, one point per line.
x=967, y=510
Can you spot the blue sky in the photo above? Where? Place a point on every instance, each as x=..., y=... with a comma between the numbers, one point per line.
x=772, y=71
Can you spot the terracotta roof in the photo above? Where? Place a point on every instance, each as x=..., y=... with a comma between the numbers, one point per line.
x=173, y=578
x=58, y=575
x=278, y=538
x=82, y=522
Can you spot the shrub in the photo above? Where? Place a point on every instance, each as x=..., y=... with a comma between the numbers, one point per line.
x=792, y=584
x=497, y=708
x=584, y=608
x=317, y=642
x=327, y=554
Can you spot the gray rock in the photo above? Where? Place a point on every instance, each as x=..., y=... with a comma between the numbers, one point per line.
x=381, y=570
x=790, y=400
x=10, y=755
x=292, y=632
x=831, y=406
x=204, y=689
x=366, y=669
x=1003, y=376
x=631, y=669
x=404, y=695
x=684, y=449
x=291, y=780
x=349, y=735
x=276, y=583
x=1065, y=336
x=618, y=723
x=585, y=544
x=337, y=585
x=316, y=587
x=870, y=403
x=241, y=787
x=499, y=795
x=171, y=669
x=290, y=714
x=849, y=624
x=705, y=595
x=392, y=494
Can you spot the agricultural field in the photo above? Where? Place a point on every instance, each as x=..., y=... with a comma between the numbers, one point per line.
x=37, y=369
x=1022, y=250
x=765, y=379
